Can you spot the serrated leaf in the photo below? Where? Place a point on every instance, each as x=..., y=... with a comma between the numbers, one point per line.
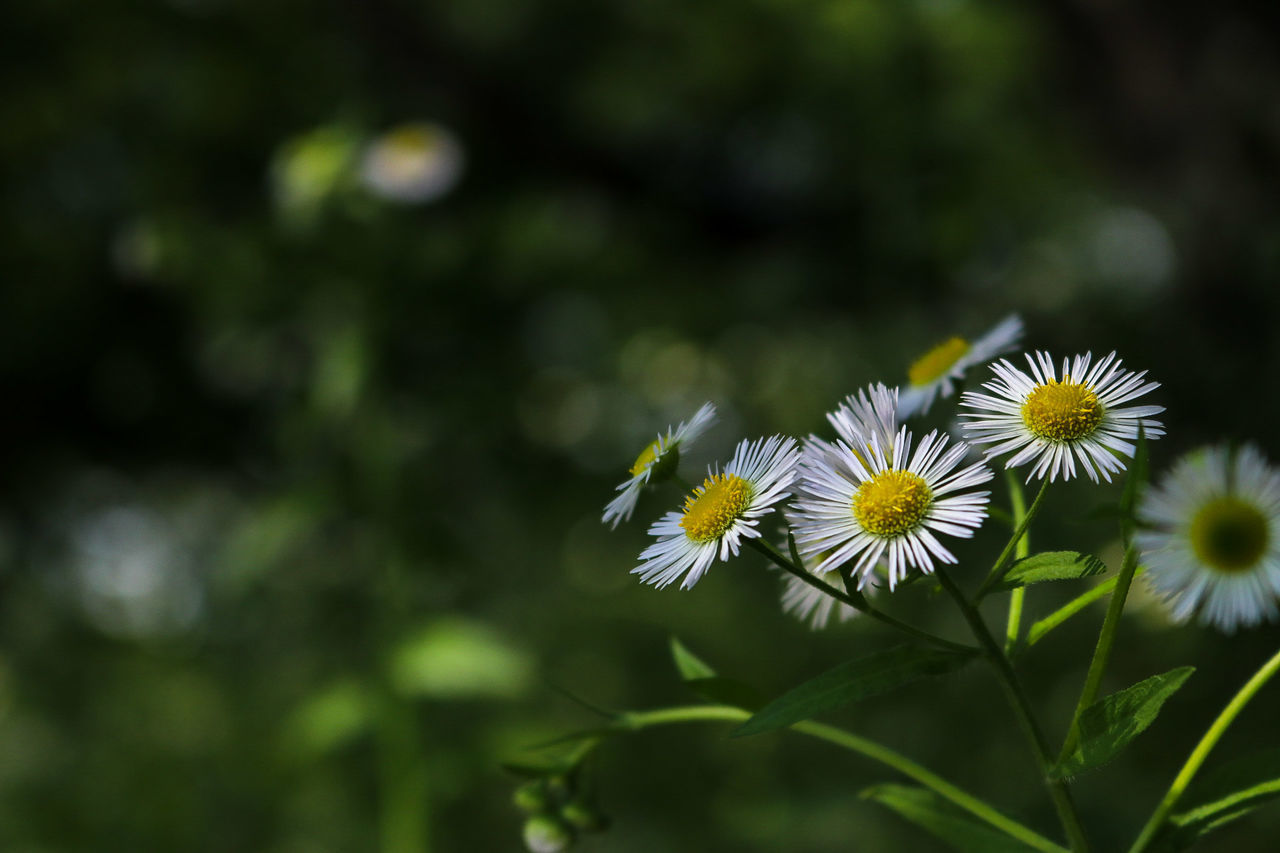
x=727, y=691
x=934, y=814
x=1229, y=793
x=1049, y=566
x=689, y=665
x=852, y=681
x=1108, y=725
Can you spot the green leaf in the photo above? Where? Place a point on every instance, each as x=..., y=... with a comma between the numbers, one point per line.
x=1108, y=725
x=457, y=658
x=689, y=665
x=558, y=757
x=955, y=827
x=1049, y=566
x=852, y=681
x=1229, y=793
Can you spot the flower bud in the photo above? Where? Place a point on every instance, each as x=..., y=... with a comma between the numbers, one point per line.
x=547, y=834
x=584, y=816
x=531, y=797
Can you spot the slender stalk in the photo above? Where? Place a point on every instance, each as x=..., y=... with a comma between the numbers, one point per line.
x=1058, y=790
x=998, y=566
x=858, y=603
x=1201, y=752
x=868, y=749
x=1018, y=503
x=1102, y=652
x=1074, y=606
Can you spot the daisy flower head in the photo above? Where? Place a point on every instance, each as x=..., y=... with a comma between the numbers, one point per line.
x=810, y=604
x=872, y=502
x=935, y=373
x=1055, y=423
x=873, y=411
x=720, y=513
x=1212, y=543
x=658, y=459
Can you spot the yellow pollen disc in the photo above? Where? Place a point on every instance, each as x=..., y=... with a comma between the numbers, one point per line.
x=892, y=503
x=1062, y=411
x=646, y=458
x=1229, y=535
x=934, y=364
x=714, y=506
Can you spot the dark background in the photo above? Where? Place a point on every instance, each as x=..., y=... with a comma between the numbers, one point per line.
x=300, y=489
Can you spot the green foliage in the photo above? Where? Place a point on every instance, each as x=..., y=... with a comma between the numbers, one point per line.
x=1049, y=566
x=1108, y=725
x=1229, y=793
x=850, y=682
x=957, y=829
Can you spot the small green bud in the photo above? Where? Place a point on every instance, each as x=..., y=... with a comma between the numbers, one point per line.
x=560, y=787
x=531, y=797
x=547, y=834
x=584, y=816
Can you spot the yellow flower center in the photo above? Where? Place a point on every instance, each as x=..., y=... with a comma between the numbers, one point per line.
x=934, y=364
x=1062, y=411
x=892, y=503
x=714, y=506
x=646, y=458
x=1229, y=535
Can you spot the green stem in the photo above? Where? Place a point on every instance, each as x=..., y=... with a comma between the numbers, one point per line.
x=869, y=749
x=859, y=603
x=1074, y=606
x=1102, y=652
x=998, y=566
x=1058, y=790
x=1023, y=547
x=403, y=797
x=1201, y=752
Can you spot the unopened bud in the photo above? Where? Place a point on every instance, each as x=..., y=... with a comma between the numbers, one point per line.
x=584, y=816
x=547, y=834
x=531, y=797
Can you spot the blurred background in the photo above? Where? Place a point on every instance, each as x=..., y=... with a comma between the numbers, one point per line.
x=328, y=328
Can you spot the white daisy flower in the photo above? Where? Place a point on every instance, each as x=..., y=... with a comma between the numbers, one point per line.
x=810, y=604
x=661, y=456
x=877, y=501
x=936, y=372
x=1057, y=422
x=1213, y=547
x=720, y=513
x=413, y=163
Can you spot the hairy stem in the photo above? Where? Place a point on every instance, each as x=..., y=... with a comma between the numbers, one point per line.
x=1021, y=706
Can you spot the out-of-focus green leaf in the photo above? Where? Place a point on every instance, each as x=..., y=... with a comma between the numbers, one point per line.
x=1225, y=795
x=689, y=665
x=852, y=681
x=558, y=757
x=1108, y=725
x=459, y=659
x=329, y=718
x=1049, y=566
x=929, y=811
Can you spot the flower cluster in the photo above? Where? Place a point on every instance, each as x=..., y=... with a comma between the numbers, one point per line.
x=872, y=504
